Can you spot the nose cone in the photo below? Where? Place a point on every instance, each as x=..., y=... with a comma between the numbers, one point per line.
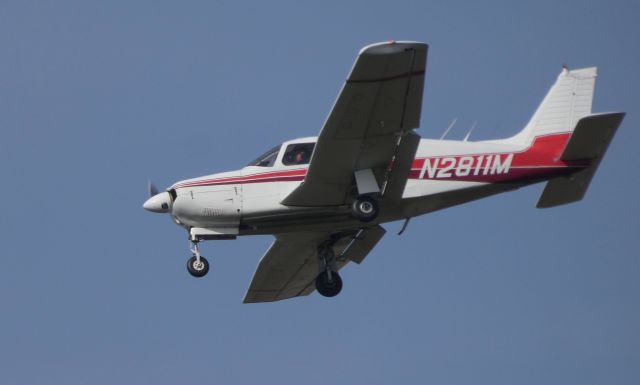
x=159, y=203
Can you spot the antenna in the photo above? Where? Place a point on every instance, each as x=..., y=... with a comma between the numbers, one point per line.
x=473, y=126
x=449, y=128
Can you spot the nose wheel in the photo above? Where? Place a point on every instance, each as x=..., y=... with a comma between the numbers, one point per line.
x=197, y=269
x=197, y=265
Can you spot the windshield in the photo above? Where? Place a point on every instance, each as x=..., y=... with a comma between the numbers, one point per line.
x=267, y=159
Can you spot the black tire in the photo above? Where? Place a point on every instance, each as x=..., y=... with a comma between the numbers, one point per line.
x=328, y=288
x=365, y=208
x=195, y=270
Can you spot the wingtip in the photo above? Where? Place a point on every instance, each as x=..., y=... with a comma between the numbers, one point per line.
x=391, y=46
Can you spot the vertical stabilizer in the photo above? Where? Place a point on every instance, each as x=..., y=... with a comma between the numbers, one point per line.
x=568, y=100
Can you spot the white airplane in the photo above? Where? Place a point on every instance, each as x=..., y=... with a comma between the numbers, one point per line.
x=324, y=197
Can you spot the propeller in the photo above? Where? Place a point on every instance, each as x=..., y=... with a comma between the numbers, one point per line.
x=153, y=190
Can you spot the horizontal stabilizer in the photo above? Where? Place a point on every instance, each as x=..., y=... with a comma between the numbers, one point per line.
x=565, y=190
x=592, y=136
x=589, y=141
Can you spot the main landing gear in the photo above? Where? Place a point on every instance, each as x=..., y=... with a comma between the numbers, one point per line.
x=197, y=265
x=328, y=282
x=365, y=208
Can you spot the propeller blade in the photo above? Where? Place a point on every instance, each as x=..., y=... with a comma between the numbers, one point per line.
x=152, y=189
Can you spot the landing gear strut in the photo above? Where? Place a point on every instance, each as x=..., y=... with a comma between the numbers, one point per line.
x=328, y=282
x=197, y=265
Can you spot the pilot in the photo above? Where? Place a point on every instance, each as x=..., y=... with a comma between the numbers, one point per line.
x=300, y=157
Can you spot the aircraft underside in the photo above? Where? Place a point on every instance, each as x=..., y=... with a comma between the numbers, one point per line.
x=337, y=218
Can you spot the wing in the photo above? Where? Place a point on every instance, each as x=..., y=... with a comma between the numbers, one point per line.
x=374, y=114
x=290, y=266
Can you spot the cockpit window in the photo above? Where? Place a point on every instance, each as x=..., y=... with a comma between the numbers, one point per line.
x=298, y=153
x=267, y=159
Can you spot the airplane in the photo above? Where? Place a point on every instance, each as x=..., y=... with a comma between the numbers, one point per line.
x=324, y=198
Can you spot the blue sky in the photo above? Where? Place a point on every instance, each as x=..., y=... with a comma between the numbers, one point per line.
x=98, y=97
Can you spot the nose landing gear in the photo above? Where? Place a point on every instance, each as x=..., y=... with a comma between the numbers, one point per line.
x=197, y=265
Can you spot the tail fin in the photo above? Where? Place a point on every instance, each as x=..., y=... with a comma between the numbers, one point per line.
x=568, y=100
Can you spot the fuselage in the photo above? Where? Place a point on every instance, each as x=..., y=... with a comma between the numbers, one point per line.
x=443, y=174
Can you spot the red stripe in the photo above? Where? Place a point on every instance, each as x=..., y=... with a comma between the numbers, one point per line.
x=540, y=158
x=543, y=151
x=271, y=176
x=514, y=174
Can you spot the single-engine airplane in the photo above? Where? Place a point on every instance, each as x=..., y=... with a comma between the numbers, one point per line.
x=324, y=198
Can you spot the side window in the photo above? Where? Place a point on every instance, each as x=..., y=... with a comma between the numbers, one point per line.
x=267, y=159
x=299, y=153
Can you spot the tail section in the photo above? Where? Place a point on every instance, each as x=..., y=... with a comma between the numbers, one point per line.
x=568, y=100
x=567, y=109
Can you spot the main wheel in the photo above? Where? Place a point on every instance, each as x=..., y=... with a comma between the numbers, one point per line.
x=365, y=208
x=326, y=287
x=197, y=269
